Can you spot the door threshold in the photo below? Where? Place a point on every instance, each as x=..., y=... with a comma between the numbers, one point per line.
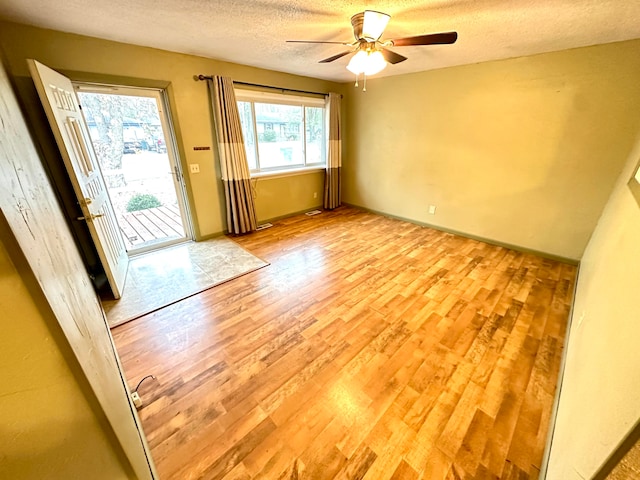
x=155, y=247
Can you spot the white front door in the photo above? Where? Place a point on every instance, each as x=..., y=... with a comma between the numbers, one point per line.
x=72, y=136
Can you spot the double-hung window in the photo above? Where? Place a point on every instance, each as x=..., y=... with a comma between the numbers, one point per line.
x=282, y=132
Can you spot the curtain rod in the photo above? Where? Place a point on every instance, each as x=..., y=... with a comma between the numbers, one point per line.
x=209, y=77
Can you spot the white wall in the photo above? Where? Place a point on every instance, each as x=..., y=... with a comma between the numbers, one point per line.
x=600, y=398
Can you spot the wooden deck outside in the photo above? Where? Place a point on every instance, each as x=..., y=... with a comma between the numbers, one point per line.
x=150, y=226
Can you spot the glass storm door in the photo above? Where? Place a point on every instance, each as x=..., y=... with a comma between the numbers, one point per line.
x=131, y=134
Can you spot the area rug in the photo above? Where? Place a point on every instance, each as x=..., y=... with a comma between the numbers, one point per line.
x=163, y=277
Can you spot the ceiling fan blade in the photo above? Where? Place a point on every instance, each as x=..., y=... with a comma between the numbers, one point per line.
x=314, y=41
x=429, y=39
x=335, y=57
x=392, y=57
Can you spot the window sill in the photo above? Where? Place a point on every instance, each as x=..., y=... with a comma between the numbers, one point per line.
x=288, y=172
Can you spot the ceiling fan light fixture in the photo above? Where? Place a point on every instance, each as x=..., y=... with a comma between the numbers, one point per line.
x=375, y=63
x=367, y=62
x=357, y=62
x=374, y=24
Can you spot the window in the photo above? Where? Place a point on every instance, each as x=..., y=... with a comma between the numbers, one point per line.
x=282, y=132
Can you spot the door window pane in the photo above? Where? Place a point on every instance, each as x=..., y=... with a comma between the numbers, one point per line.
x=129, y=140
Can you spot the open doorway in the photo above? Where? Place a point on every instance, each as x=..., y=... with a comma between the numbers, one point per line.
x=133, y=140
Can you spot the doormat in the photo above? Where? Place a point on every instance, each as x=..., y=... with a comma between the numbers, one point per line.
x=163, y=277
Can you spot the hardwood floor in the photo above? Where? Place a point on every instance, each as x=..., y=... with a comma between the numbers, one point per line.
x=370, y=348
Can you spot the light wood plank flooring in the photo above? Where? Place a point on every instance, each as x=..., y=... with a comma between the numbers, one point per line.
x=370, y=348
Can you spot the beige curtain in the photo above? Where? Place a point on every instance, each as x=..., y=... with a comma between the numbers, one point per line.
x=241, y=209
x=332, y=186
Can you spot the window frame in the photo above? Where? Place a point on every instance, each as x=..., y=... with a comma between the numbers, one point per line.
x=255, y=96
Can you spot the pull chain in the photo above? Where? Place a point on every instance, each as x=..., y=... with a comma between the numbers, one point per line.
x=364, y=81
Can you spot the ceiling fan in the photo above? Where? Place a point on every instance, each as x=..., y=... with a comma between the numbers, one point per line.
x=372, y=54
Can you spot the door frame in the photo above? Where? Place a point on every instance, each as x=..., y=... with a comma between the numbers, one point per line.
x=161, y=96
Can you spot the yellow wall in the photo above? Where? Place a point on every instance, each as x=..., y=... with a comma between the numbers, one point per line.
x=522, y=151
x=601, y=386
x=85, y=58
x=50, y=424
x=274, y=196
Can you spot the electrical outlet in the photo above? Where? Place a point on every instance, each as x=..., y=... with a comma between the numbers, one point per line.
x=432, y=209
x=315, y=194
x=194, y=168
x=137, y=401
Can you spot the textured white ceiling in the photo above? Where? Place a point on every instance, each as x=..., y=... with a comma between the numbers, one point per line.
x=254, y=32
